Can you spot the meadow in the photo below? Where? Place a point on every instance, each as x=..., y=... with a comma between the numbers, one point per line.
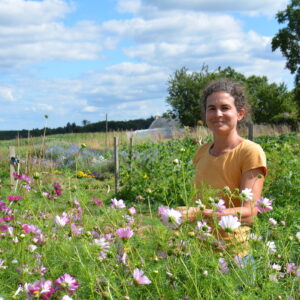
x=65, y=233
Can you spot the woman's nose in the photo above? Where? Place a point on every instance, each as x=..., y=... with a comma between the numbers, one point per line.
x=218, y=112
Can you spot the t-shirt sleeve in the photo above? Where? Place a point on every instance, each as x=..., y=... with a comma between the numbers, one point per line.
x=253, y=157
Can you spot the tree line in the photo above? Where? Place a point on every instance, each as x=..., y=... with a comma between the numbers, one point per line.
x=100, y=126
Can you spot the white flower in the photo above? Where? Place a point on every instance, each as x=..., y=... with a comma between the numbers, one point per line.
x=229, y=223
x=276, y=267
x=271, y=247
x=61, y=221
x=247, y=194
x=32, y=248
x=203, y=228
x=255, y=237
x=273, y=221
x=117, y=203
x=170, y=217
x=298, y=236
x=66, y=297
x=200, y=204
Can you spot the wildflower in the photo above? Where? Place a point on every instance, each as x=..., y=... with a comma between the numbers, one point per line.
x=273, y=278
x=276, y=267
x=102, y=243
x=39, y=289
x=2, y=266
x=264, y=205
x=200, y=204
x=97, y=201
x=219, y=205
x=291, y=268
x=118, y=203
x=203, y=228
x=223, y=266
x=132, y=210
x=14, y=198
x=205, y=273
x=247, y=194
x=170, y=217
x=273, y=221
x=298, y=236
x=140, y=278
x=124, y=233
x=67, y=283
x=176, y=161
x=57, y=189
x=283, y=223
x=255, y=237
x=229, y=223
x=271, y=247
x=122, y=256
x=76, y=230
x=61, y=221
x=31, y=229
x=139, y=198
x=66, y=297
x=32, y=248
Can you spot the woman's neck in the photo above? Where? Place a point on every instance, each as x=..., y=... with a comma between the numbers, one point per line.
x=224, y=143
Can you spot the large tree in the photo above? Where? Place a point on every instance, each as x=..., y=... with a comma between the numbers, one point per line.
x=288, y=41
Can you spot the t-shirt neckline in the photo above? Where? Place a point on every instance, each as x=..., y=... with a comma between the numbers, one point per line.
x=223, y=154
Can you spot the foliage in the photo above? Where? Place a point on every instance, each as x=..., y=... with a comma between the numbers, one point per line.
x=271, y=102
x=287, y=40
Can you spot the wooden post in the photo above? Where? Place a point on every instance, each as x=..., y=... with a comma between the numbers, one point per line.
x=12, y=165
x=106, y=131
x=116, y=161
x=250, y=130
x=130, y=152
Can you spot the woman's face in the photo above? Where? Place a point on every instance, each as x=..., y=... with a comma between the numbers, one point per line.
x=221, y=113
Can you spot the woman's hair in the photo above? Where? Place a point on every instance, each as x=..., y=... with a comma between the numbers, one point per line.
x=235, y=89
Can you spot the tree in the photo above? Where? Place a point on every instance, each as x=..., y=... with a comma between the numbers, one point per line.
x=271, y=103
x=287, y=40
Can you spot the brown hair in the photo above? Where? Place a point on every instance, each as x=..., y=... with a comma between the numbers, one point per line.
x=235, y=89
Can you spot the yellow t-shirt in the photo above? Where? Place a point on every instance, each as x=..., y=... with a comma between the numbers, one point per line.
x=227, y=170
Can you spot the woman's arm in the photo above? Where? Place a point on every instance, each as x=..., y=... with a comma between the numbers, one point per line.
x=252, y=179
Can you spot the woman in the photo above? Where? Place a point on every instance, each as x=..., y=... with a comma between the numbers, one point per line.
x=229, y=161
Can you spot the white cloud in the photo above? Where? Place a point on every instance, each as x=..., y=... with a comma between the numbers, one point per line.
x=91, y=109
x=254, y=7
x=7, y=94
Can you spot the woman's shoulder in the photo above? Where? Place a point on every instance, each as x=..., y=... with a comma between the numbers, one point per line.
x=201, y=151
x=251, y=146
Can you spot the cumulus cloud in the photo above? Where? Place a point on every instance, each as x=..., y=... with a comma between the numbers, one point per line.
x=91, y=109
x=254, y=7
x=7, y=94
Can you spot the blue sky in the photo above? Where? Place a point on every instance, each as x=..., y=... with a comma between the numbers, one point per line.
x=78, y=60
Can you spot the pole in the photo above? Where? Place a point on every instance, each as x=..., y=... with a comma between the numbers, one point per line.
x=250, y=130
x=116, y=161
x=106, y=131
x=130, y=152
x=13, y=162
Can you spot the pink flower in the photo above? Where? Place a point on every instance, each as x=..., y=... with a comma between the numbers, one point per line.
x=223, y=266
x=291, y=268
x=39, y=289
x=229, y=223
x=31, y=229
x=61, y=221
x=273, y=221
x=117, y=203
x=67, y=283
x=97, y=201
x=219, y=204
x=140, y=278
x=170, y=217
x=76, y=230
x=14, y=198
x=124, y=233
x=264, y=205
x=132, y=210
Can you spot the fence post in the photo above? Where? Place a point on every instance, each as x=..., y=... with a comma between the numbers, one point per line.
x=130, y=152
x=250, y=130
x=116, y=161
x=13, y=162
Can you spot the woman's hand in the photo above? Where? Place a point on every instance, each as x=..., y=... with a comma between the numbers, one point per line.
x=188, y=213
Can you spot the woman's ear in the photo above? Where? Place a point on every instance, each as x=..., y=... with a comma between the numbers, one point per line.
x=241, y=114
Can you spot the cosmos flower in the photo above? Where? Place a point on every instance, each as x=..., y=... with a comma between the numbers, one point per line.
x=229, y=223
x=39, y=289
x=247, y=194
x=117, y=203
x=124, y=233
x=271, y=247
x=14, y=198
x=264, y=205
x=203, y=228
x=291, y=268
x=140, y=278
x=223, y=266
x=132, y=210
x=273, y=221
x=67, y=282
x=170, y=217
x=219, y=204
x=76, y=230
x=61, y=221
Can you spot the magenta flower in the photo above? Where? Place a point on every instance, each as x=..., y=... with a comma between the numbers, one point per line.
x=31, y=229
x=39, y=290
x=97, y=201
x=124, y=233
x=264, y=205
x=76, y=230
x=140, y=278
x=14, y=198
x=67, y=282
